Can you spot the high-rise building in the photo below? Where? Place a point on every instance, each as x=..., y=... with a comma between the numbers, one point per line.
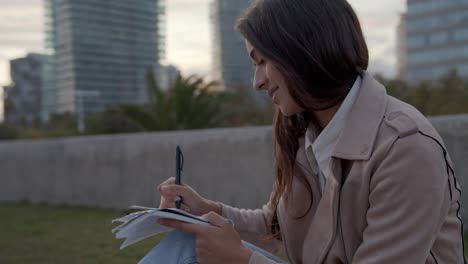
x=166, y=75
x=436, y=38
x=401, y=48
x=230, y=62
x=102, y=52
x=23, y=96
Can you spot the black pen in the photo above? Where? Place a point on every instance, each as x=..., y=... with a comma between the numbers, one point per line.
x=179, y=167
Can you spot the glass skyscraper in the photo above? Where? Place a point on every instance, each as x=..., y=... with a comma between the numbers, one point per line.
x=436, y=38
x=102, y=51
x=231, y=64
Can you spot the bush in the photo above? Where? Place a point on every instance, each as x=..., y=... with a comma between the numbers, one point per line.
x=7, y=132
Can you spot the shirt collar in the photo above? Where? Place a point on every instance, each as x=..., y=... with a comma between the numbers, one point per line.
x=323, y=145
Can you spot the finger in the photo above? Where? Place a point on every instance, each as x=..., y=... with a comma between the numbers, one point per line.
x=176, y=190
x=183, y=226
x=185, y=208
x=170, y=180
x=169, y=201
x=215, y=219
x=171, y=198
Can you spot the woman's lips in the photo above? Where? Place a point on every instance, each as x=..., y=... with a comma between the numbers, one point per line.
x=271, y=92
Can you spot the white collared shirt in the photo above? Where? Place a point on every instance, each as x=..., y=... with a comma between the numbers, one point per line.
x=319, y=149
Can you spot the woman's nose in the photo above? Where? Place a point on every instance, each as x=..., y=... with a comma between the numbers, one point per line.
x=260, y=82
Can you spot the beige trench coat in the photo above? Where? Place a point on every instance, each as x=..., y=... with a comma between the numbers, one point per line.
x=392, y=196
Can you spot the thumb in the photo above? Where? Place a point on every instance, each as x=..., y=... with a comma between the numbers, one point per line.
x=216, y=220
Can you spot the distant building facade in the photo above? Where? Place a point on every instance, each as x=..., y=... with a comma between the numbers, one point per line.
x=230, y=62
x=436, y=38
x=166, y=75
x=102, y=52
x=23, y=97
x=401, y=48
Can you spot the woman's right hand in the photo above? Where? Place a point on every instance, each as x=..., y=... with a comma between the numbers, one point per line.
x=192, y=202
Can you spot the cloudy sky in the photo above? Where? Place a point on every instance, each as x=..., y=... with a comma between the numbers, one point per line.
x=188, y=33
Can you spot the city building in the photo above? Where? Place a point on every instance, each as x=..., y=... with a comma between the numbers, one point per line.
x=231, y=65
x=401, y=48
x=102, y=52
x=166, y=75
x=436, y=38
x=22, y=103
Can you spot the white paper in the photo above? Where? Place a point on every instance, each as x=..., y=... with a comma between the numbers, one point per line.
x=143, y=224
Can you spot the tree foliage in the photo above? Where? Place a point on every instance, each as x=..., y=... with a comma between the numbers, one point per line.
x=189, y=104
x=192, y=103
x=448, y=95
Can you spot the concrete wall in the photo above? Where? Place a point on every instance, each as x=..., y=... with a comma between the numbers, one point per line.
x=118, y=171
x=229, y=165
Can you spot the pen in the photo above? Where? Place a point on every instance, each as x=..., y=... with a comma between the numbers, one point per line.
x=179, y=167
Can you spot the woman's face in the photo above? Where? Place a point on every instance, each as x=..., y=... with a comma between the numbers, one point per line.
x=268, y=78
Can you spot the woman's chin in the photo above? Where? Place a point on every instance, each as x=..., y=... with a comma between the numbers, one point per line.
x=286, y=111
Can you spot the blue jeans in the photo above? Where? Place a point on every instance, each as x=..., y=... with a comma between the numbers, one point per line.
x=179, y=248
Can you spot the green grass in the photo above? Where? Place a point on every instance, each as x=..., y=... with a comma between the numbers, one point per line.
x=44, y=234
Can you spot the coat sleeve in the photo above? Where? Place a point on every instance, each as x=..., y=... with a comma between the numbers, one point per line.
x=408, y=201
x=258, y=258
x=252, y=221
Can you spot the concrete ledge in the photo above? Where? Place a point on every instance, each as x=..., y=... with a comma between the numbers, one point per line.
x=234, y=166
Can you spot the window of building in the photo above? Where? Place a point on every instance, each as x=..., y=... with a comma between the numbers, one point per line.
x=438, y=55
x=427, y=6
x=438, y=38
x=461, y=34
x=416, y=41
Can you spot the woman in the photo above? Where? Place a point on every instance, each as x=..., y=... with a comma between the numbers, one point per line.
x=361, y=177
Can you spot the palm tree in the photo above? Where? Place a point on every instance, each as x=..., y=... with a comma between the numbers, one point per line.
x=189, y=104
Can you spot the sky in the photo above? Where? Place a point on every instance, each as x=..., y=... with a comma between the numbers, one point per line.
x=188, y=33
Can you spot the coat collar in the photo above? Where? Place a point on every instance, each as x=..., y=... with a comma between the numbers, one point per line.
x=356, y=143
x=360, y=131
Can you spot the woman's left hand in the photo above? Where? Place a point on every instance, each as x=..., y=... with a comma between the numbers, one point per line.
x=216, y=243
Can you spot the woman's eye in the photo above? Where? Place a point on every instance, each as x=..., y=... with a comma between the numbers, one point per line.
x=261, y=62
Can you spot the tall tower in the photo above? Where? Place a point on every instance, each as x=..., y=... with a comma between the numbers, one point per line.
x=437, y=38
x=23, y=97
x=231, y=64
x=401, y=49
x=102, y=51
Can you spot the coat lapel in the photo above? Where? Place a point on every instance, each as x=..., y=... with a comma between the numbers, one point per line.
x=324, y=225
x=355, y=143
x=362, y=122
x=294, y=229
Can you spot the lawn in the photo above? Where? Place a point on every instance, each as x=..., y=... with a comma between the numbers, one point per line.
x=43, y=234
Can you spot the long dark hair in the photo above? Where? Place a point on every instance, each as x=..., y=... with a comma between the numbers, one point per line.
x=319, y=48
